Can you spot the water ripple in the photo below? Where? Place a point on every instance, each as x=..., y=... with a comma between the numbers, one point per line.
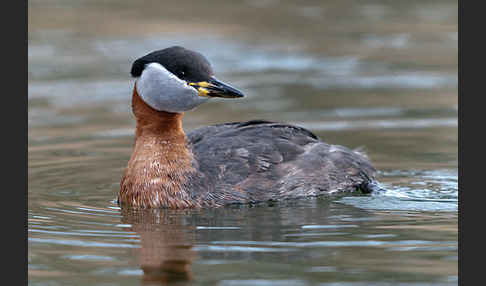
x=81, y=243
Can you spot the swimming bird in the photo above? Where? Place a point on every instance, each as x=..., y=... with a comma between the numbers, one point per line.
x=228, y=163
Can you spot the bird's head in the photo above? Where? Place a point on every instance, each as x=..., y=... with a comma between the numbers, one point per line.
x=176, y=79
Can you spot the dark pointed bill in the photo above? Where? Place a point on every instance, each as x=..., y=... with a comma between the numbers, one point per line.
x=216, y=88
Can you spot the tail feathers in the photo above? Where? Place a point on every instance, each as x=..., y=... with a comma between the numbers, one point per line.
x=371, y=187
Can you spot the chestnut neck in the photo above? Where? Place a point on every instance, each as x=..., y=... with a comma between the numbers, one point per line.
x=151, y=122
x=160, y=162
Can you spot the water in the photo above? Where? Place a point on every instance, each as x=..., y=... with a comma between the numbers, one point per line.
x=385, y=81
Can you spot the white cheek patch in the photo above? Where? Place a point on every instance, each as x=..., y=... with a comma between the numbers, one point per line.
x=164, y=91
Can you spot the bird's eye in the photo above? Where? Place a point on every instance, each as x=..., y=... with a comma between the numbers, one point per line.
x=182, y=73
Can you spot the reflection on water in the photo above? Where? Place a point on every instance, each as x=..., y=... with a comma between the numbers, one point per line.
x=308, y=241
x=165, y=252
x=380, y=76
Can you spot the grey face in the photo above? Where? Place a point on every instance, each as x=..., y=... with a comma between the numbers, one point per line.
x=176, y=79
x=164, y=91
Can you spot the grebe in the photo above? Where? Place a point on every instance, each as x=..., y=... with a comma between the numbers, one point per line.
x=230, y=163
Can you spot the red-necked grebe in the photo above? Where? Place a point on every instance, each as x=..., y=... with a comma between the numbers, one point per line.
x=238, y=162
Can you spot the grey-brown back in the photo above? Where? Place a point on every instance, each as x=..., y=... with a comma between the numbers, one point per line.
x=244, y=162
